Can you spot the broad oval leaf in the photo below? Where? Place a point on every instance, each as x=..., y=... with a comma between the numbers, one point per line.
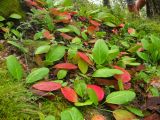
x=120, y=97
x=83, y=66
x=80, y=87
x=14, y=67
x=125, y=76
x=47, y=86
x=71, y=114
x=66, y=66
x=69, y=94
x=123, y=115
x=15, y=16
x=42, y=49
x=55, y=53
x=2, y=18
x=92, y=96
x=37, y=74
x=136, y=111
x=95, y=23
x=61, y=74
x=50, y=117
x=106, y=72
x=98, y=117
x=100, y=51
x=85, y=57
x=98, y=90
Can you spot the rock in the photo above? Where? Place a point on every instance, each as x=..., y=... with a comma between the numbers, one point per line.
x=10, y=6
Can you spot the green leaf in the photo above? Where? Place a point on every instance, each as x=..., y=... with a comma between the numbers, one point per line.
x=55, y=53
x=80, y=87
x=83, y=66
x=49, y=22
x=61, y=74
x=100, y=51
x=71, y=114
x=92, y=95
x=110, y=24
x=87, y=102
x=15, y=16
x=106, y=72
x=50, y=117
x=19, y=46
x=37, y=74
x=74, y=29
x=143, y=56
x=64, y=30
x=84, y=35
x=136, y=111
x=154, y=91
x=120, y=97
x=14, y=67
x=2, y=18
x=67, y=2
x=42, y=49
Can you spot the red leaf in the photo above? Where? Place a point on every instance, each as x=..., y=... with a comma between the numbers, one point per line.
x=83, y=19
x=47, y=86
x=65, y=36
x=127, y=86
x=121, y=25
x=92, y=29
x=115, y=31
x=95, y=23
x=69, y=94
x=98, y=117
x=67, y=66
x=85, y=58
x=125, y=77
x=131, y=30
x=47, y=35
x=98, y=90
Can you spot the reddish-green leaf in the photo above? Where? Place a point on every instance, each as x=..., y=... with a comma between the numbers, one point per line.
x=92, y=29
x=69, y=94
x=47, y=35
x=66, y=66
x=65, y=36
x=95, y=23
x=85, y=58
x=47, y=86
x=125, y=77
x=98, y=90
x=98, y=117
x=131, y=30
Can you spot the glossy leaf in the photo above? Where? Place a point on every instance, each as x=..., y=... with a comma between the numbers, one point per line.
x=83, y=66
x=71, y=114
x=37, y=74
x=66, y=66
x=80, y=87
x=106, y=72
x=42, y=49
x=123, y=115
x=14, y=67
x=85, y=57
x=120, y=97
x=55, y=53
x=47, y=86
x=100, y=51
x=98, y=90
x=61, y=74
x=92, y=96
x=69, y=94
x=125, y=76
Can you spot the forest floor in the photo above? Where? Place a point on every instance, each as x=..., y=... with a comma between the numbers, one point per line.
x=73, y=62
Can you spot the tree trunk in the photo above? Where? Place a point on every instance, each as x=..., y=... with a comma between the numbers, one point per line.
x=153, y=8
x=106, y=3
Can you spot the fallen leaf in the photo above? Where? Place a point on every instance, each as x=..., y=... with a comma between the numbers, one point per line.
x=69, y=94
x=66, y=66
x=47, y=86
x=98, y=90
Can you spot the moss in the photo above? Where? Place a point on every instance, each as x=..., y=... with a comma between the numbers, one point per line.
x=10, y=6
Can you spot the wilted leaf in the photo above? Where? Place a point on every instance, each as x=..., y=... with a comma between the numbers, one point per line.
x=123, y=115
x=47, y=86
x=71, y=114
x=98, y=90
x=37, y=74
x=125, y=76
x=106, y=72
x=69, y=94
x=66, y=66
x=120, y=97
x=14, y=67
x=100, y=51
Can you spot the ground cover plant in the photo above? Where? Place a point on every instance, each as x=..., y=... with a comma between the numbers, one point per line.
x=68, y=59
